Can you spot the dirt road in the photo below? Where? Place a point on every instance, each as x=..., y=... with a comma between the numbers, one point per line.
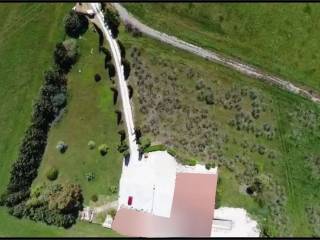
x=244, y=68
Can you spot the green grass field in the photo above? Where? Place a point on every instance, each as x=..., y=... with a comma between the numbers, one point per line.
x=28, y=34
x=26, y=49
x=13, y=227
x=168, y=111
x=89, y=116
x=281, y=38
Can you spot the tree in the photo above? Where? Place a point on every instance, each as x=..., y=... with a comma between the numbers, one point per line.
x=126, y=68
x=122, y=49
x=66, y=199
x=66, y=54
x=111, y=70
x=130, y=88
x=107, y=54
x=75, y=24
x=112, y=18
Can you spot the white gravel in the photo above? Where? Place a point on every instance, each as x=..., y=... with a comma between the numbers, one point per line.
x=242, y=224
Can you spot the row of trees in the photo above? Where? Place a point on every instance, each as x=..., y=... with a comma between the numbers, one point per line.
x=52, y=99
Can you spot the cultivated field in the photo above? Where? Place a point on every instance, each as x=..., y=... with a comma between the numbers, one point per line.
x=264, y=140
x=281, y=38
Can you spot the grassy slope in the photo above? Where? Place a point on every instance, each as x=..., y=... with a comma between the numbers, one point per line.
x=290, y=170
x=282, y=38
x=89, y=116
x=28, y=35
x=26, y=50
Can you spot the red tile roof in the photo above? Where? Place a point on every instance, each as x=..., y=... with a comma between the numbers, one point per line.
x=191, y=212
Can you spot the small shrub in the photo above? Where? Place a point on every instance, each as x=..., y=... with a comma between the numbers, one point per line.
x=91, y=144
x=113, y=189
x=123, y=147
x=90, y=176
x=103, y=149
x=208, y=166
x=112, y=212
x=144, y=143
x=97, y=77
x=52, y=174
x=62, y=146
x=94, y=197
x=191, y=162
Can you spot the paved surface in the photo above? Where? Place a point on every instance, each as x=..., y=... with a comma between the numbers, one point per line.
x=215, y=57
x=241, y=224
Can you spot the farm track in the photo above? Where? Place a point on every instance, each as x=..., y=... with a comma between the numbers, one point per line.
x=234, y=64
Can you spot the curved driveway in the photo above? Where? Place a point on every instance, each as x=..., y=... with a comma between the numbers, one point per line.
x=127, y=111
x=215, y=57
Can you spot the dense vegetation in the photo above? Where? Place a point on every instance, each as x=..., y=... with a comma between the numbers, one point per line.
x=263, y=139
x=281, y=38
x=51, y=101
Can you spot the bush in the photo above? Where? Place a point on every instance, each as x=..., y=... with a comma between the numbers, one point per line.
x=191, y=162
x=144, y=143
x=154, y=148
x=113, y=189
x=112, y=212
x=75, y=24
x=122, y=49
x=126, y=68
x=103, y=149
x=62, y=146
x=97, y=77
x=208, y=166
x=111, y=70
x=94, y=197
x=91, y=144
x=123, y=147
x=52, y=174
x=108, y=56
x=90, y=176
x=172, y=152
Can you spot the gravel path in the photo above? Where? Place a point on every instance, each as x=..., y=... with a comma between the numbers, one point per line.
x=244, y=68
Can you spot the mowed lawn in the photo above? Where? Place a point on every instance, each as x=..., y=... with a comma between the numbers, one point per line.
x=173, y=75
x=13, y=227
x=26, y=51
x=28, y=34
x=281, y=38
x=90, y=115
